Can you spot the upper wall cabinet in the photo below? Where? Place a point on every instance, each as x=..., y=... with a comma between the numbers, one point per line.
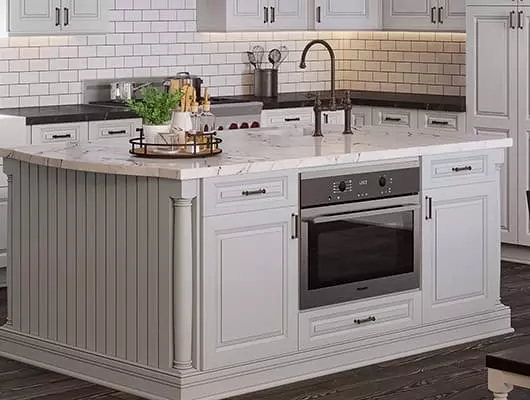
x=251, y=15
x=54, y=17
x=430, y=15
x=347, y=14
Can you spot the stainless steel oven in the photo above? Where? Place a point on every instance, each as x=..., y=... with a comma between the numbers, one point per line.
x=360, y=234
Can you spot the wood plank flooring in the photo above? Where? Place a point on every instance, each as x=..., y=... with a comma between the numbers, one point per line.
x=456, y=373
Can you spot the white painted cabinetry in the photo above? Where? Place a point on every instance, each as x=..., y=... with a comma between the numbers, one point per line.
x=113, y=128
x=347, y=14
x=461, y=255
x=49, y=133
x=252, y=15
x=447, y=15
x=496, y=100
x=49, y=17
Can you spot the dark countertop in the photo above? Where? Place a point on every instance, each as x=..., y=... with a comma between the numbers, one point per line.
x=69, y=113
x=94, y=112
x=360, y=98
x=516, y=360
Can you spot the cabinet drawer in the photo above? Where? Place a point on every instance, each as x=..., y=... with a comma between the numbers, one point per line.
x=395, y=117
x=287, y=117
x=59, y=133
x=348, y=322
x=362, y=115
x=258, y=192
x=113, y=128
x=454, y=122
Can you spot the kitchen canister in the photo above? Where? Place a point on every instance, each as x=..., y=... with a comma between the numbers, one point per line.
x=266, y=83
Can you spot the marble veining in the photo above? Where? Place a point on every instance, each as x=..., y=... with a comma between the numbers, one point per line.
x=257, y=150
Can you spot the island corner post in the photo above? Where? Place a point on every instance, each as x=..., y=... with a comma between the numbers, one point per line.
x=102, y=263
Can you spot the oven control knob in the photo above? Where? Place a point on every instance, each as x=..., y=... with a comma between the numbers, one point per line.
x=382, y=181
x=342, y=186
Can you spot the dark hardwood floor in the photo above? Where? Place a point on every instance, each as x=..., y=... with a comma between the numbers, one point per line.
x=456, y=373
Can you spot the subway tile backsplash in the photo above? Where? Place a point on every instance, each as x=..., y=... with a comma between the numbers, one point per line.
x=157, y=38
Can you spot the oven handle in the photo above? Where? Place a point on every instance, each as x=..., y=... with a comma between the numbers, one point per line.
x=362, y=214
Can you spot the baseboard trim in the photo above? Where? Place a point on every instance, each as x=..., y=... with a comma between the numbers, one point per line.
x=216, y=385
x=515, y=254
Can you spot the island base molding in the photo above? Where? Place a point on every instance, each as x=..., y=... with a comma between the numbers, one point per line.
x=157, y=384
x=516, y=254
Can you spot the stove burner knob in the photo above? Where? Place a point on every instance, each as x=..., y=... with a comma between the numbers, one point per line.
x=342, y=186
x=233, y=126
x=244, y=125
x=255, y=124
x=382, y=181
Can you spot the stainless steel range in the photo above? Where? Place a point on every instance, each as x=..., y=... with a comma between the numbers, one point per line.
x=360, y=233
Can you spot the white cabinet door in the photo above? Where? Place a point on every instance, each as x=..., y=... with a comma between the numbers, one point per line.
x=50, y=133
x=35, y=16
x=362, y=115
x=247, y=15
x=347, y=14
x=452, y=15
x=410, y=14
x=250, y=285
x=82, y=16
x=461, y=254
x=492, y=94
x=288, y=14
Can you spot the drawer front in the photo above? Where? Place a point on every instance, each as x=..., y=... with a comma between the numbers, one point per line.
x=59, y=133
x=287, y=117
x=235, y=195
x=454, y=122
x=3, y=177
x=364, y=319
x=395, y=117
x=113, y=128
x=362, y=115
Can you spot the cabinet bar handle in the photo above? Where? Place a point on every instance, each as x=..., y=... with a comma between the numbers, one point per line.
x=436, y=122
x=463, y=169
x=512, y=17
x=392, y=119
x=122, y=132
x=66, y=16
x=253, y=192
x=295, y=221
x=428, y=214
x=319, y=14
x=326, y=118
x=265, y=15
x=433, y=15
x=66, y=136
x=273, y=14
x=440, y=15
x=292, y=119
x=57, y=16
x=520, y=20
x=364, y=321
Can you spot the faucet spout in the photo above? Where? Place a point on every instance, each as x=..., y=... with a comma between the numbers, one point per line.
x=303, y=65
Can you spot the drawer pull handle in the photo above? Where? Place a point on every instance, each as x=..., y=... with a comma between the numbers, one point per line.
x=57, y=16
x=392, y=119
x=122, y=132
x=254, y=192
x=436, y=122
x=66, y=136
x=463, y=169
x=292, y=119
x=364, y=321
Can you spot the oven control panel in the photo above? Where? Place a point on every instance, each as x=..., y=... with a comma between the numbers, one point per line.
x=359, y=187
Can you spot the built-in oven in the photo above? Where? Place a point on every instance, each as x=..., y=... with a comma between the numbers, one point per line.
x=360, y=233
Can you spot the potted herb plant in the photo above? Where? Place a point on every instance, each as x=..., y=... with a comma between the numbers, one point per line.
x=155, y=107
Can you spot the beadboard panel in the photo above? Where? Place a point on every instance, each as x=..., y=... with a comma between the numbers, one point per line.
x=78, y=284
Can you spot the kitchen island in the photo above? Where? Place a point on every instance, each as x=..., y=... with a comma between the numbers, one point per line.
x=180, y=279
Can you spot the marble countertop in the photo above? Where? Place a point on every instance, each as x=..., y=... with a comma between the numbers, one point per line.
x=257, y=150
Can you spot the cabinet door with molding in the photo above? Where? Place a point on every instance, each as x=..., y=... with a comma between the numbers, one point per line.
x=35, y=16
x=288, y=14
x=82, y=16
x=247, y=15
x=347, y=14
x=452, y=15
x=410, y=14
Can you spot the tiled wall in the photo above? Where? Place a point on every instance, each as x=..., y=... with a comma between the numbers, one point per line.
x=157, y=38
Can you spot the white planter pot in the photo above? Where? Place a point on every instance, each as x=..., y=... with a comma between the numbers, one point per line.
x=151, y=132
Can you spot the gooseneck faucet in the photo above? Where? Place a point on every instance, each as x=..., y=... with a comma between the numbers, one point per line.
x=303, y=65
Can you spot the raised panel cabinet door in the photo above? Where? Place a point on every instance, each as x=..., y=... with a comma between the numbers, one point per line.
x=452, y=15
x=410, y=14
x=247, y=15
x=288, y=14
x=461, y=254
x=492, y=94
x=81, y=16
x=3, y=242
x=35, y=16
x=347, y=14
x=250, y=281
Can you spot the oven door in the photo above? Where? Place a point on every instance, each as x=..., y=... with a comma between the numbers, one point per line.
x=359, y=250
